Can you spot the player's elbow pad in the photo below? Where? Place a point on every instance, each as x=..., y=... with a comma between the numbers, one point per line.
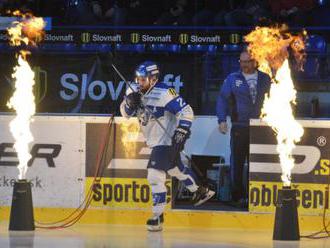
x=186, y=114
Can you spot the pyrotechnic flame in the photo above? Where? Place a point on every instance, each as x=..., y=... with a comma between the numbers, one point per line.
x=23, y=102
x=130, y=133
x=29, y=31
x=269, y=47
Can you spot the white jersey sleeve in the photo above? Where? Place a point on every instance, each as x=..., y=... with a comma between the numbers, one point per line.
x=166, y=111
x=177, y=106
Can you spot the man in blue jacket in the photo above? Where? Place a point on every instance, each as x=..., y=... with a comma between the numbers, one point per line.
x=242, y=94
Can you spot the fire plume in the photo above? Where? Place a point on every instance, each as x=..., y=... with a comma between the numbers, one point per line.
x=23, y=102
x=270, y=48
x=130, y=132
x=27, y=31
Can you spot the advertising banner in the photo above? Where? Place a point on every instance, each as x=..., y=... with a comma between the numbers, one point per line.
x=310, y=176
x=87, y=83
x=152, y=35
x=142, y=36
x=56, y=168
x=65, y=154
x=123, y=183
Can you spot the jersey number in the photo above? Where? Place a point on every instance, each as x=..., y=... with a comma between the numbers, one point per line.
x=180, y=101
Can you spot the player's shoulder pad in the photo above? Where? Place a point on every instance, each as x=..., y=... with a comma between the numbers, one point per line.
x=167, y=92
x=172, y=92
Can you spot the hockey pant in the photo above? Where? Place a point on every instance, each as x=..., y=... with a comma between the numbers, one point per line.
x=157, y=178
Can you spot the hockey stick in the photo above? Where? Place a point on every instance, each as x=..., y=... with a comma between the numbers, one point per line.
x=145, y=107
x=193, y=166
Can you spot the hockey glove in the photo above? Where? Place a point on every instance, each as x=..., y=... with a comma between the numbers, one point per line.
x=134, y=101
x=179, y=138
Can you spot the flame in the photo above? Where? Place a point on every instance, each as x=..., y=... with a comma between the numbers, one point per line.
x=270, y=48
x=130, y=133
x=23, y=102
x=28, y=31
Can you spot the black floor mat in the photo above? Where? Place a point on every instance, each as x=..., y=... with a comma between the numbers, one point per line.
x=211, y=205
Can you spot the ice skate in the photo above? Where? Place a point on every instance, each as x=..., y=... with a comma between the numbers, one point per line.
x=202, y=195
x=155, y=223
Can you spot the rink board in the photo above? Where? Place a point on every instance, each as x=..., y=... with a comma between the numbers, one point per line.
x=310, y=175
x=67, y=153
x=122, y=196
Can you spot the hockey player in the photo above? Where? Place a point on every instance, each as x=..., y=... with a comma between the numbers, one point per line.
x=166, y=126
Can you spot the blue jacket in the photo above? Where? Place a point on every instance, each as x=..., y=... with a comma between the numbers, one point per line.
x=243, y=109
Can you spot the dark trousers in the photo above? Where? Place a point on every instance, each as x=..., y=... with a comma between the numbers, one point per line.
x=239, y=144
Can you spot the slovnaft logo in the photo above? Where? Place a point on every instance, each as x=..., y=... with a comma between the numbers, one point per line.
x=85, y=37
x=135, y=37
x=183, y=38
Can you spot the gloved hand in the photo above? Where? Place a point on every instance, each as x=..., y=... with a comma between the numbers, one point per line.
x=179, y=138
x=134, y=101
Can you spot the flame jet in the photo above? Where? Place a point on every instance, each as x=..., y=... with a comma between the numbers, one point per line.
x=28, y=31
x=270, y=48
